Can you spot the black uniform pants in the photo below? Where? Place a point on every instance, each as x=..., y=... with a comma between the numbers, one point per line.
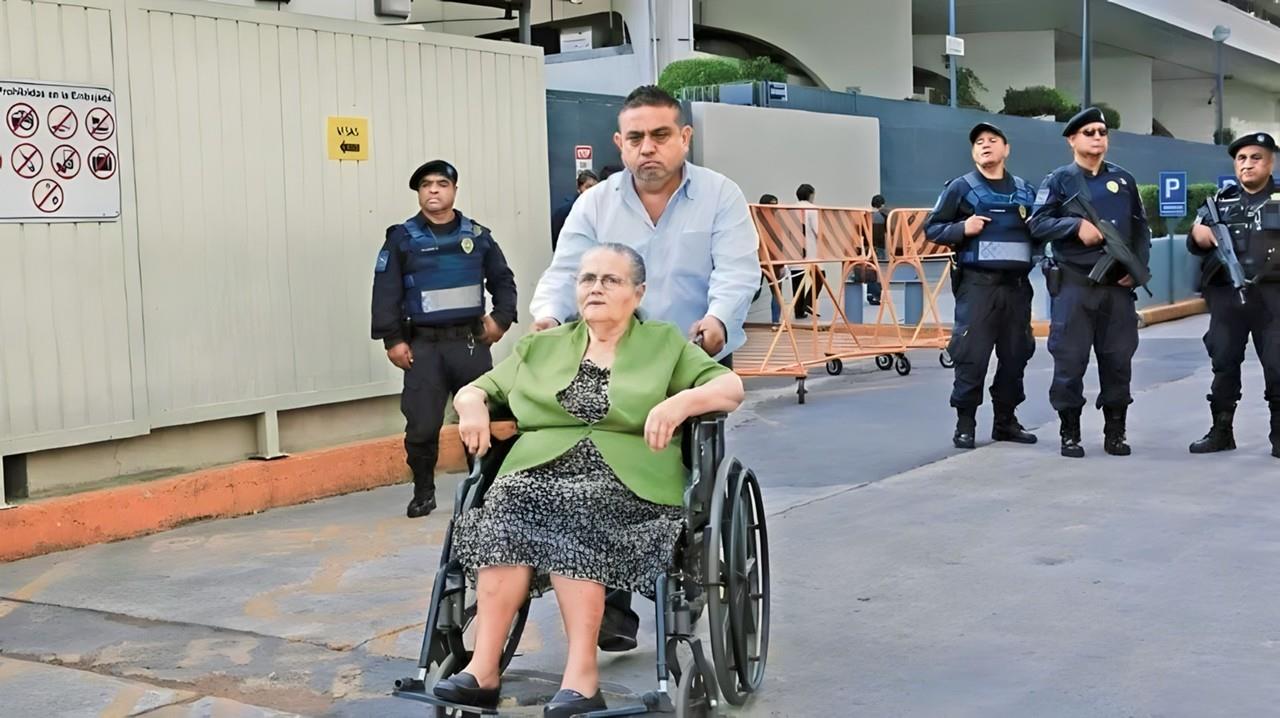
x=440, y=368
x=1231, y=324
x=1101, y=318
x=992, y=312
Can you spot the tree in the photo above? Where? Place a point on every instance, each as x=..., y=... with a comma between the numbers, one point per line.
x=700, y=71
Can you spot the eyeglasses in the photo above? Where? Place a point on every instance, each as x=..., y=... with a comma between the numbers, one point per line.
x=608, y=281
x=1100, y=132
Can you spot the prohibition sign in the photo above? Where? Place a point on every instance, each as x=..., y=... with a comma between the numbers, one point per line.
x=100, y=124
x=66, y=161
x=22, y=120
x=102, y=162
x=63, y=122
x=27, y=160
x=47, y=195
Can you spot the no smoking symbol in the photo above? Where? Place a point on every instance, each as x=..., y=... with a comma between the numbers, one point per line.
x=63, y=122
x=47, y=195
x=22, y=120
x=27, y=160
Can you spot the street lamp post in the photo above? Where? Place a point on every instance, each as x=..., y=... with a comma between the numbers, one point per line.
x=1086, y=58
x=951, y=59
x=1220, y=35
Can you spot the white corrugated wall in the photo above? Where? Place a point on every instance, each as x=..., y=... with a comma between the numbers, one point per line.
x=238, y=279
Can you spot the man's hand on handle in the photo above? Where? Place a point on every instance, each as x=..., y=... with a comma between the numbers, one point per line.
x=545, y=323
x=713, y=334
x=401, y=355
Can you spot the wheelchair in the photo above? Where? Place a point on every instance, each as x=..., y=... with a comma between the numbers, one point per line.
x=720, y=567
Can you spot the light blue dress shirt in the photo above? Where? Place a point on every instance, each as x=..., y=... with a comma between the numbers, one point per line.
x=701, y=257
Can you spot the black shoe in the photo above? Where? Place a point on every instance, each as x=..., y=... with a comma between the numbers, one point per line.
x=966, y=428
x=1007, y=428
x=1070, y=433
x=1275, y=429
x=618, y=629
x=567, y=703
x=464, y=690
x=1113, y=440
x=1221, y=436
x=421, y=507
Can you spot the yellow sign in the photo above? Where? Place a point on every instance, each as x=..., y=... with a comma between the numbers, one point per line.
x=348, y=138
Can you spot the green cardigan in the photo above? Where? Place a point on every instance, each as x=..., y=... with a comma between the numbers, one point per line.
x=654, y=361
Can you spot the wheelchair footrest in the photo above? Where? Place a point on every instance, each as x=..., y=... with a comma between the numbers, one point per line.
x=455, y=710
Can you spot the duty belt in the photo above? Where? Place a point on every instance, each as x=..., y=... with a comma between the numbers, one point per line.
x=453, y=331
x=988, y=277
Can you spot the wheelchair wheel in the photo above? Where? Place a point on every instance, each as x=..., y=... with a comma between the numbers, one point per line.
x=691, y=698
x=903, y=365
x=944, y=358
x=748, y=576
x=884, y=362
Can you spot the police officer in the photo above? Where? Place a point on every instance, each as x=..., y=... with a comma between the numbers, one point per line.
x=1251, y=211
x=429, y=311
x=1095, y=313
x=983, y=217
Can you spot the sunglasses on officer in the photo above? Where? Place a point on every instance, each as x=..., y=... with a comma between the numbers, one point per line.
x=1095, y=132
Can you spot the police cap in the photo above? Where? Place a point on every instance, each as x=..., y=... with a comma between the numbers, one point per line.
x=1087, y=116
x=1253, y=139
x=434, y=167
x=986, y=127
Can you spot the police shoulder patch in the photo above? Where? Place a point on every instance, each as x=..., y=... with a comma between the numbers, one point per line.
x=478, y=228
x=383, y=257
x=1042, y=196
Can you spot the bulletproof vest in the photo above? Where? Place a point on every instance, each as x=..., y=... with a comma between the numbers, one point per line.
x=1256, y=234
x=443, y=276
x=1005, y=242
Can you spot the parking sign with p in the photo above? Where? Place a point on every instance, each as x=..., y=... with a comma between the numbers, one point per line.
x=1173, y=194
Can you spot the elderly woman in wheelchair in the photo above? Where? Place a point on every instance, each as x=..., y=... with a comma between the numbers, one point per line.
x=591, y=493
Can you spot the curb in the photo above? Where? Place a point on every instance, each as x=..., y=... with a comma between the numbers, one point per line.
x=1148, y=316
x=247, y=487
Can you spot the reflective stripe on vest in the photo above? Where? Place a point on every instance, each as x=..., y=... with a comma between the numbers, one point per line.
x=443, y=276
x=1005, y=242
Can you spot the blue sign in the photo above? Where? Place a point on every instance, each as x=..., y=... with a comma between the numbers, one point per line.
x=1225, y=181
x=1173, y=194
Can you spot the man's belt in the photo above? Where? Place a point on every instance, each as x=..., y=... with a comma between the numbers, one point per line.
x=450, y=331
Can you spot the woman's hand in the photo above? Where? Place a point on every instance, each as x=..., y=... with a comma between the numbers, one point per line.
x=473, y=420
x=663, y=421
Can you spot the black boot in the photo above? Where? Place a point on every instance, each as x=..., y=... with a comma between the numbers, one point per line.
x=1275, y=429
x=1221, y=436
x=966, y=427
x=1070, y=432
x=424, y=489
x=1113, y=441
x=1007, y=427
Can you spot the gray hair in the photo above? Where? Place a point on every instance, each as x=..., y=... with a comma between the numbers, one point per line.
x=637, y=262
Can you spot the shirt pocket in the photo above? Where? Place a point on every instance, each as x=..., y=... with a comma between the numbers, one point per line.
x=694, y=253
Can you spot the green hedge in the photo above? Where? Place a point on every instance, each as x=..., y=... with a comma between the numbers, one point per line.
x=1196, y=195
x=1039, y=100
x=701, y=71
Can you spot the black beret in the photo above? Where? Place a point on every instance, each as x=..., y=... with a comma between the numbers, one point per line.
x=434, y=167
x=1253, y=139
x=986, y=127
x=1087, y=116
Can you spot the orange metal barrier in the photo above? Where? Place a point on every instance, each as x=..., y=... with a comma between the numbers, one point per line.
x=907, y=248
x=806, y=238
